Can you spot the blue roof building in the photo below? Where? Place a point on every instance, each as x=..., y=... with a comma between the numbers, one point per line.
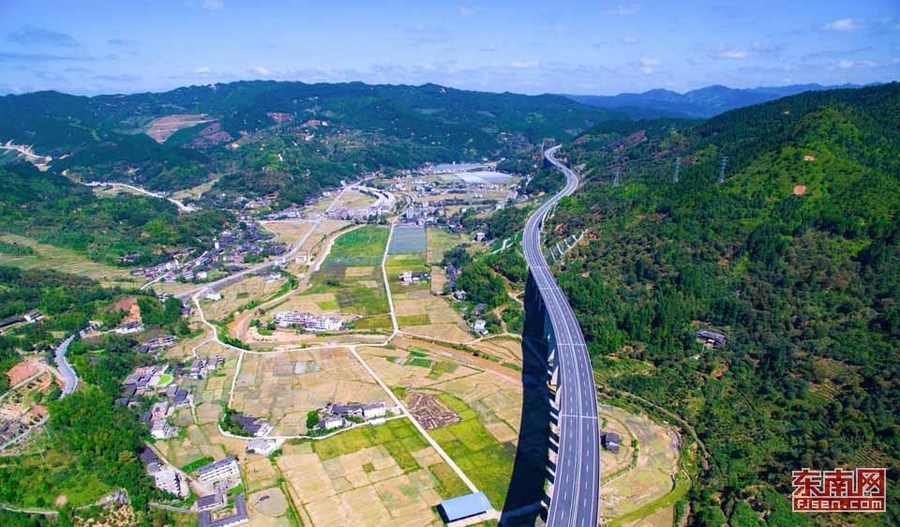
x=465, y=506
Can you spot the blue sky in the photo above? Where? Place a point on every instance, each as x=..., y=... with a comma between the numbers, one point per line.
x=525, y=46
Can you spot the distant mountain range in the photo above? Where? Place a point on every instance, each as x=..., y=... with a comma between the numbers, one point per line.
x=700, y=103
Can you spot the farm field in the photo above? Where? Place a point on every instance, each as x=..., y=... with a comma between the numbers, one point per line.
x=349, y=273
x=285, y=387
x=352, y=199
x=489, y=405
x=642, y=489
x=201, y=438
x=66, y=261
x=238, y=295
x=289, y=232
x=373, y=476
x=441, y=241
x=408, y=239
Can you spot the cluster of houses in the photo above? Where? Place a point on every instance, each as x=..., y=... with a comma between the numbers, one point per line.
x=156, y=379
x=201, y=366
x=221, y=475
x=308, y=321
x=231, y=246
x=336, y=415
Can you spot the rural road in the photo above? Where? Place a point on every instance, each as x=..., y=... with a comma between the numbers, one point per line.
x=222, y=282
x=70, y=378
x=575, y=496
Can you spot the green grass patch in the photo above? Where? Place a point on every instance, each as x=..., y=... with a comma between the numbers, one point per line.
x=194, y=465
x=485, y=460
x=441, y=368
x=328, y=305
x=373, y=322
x=396, y=264
x=421, y=363
x=361, y=247
x=397, y=436
x=439, y=242
x=413, y=320
x=448, y=483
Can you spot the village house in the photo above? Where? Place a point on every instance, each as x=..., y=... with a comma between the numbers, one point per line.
x=363, y=411
x=225, y=469
x=610, y=441
x=130, y=327
x=711, y=339
x=210, y=503
x=263, y=447
x=239, y=517
x=329, y=423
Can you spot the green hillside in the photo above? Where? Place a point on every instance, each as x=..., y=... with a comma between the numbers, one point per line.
x=294, y=137
x=794, y=257
x=54, y=210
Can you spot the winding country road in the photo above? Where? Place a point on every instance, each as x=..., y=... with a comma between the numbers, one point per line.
x=70, y=378
x=576, y=490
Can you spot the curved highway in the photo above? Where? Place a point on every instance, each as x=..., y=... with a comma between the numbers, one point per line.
x=576, y=489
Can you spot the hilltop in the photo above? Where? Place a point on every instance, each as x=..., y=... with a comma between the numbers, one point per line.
x=792, y=258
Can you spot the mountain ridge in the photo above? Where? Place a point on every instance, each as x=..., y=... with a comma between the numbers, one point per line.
x=703, y=102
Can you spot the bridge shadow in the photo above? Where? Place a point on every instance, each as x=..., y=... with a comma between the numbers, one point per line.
x=526, y=487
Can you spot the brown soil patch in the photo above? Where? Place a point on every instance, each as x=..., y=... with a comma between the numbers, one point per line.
x=20, y=372
x=163, y=128
x=799, y=190
x=808, y=157
x=269, y=502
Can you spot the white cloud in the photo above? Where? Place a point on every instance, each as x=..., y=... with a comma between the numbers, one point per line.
x=203, y=70
x=630, y=40
x=734, y=54
x=623, y=10
x=213, y=5
x=519, y=64
x=844, y=24
x=846, y=64
x=647, y=65
x=466, y=10
x=261, y=70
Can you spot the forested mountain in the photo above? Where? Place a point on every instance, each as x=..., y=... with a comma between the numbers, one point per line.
x=289, y=139
x=699, y=103
x=793, y=257
x=265, y=136
x=53, y=209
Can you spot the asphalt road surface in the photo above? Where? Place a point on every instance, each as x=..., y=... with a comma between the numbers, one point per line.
x=576, y=490
x=70, y=379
